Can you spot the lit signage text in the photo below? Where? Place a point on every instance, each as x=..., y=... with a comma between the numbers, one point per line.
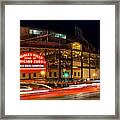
x=32, y=60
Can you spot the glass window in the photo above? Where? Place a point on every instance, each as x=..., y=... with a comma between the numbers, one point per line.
x=23, y=75
x=50, y=74
x=55, y=74
x=34, y=74
x=30, y=32
x=76, y=45
x=78, y=73
x=60, y=35
x=35, y=32
x=74, y=73
x=40, y=75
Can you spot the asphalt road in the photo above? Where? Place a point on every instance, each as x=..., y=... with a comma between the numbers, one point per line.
x=81, y=96
x=84, y=93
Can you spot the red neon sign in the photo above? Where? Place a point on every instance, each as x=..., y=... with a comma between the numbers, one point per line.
x=31, y=62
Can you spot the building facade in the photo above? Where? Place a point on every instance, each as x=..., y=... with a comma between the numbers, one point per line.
x=65, y=58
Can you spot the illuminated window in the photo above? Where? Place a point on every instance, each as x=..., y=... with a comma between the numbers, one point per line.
x=60, y=35
x=35, y=32
x=30, y=32
x=76, y=45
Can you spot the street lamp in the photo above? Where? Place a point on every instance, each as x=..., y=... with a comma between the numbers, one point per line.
x=42, y=72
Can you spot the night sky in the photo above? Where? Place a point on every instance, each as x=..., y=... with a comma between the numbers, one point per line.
x=90, y=28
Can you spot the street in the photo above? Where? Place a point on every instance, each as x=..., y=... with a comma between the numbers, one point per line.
x=74, y=92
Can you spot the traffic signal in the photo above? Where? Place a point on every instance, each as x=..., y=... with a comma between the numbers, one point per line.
x=65, y=74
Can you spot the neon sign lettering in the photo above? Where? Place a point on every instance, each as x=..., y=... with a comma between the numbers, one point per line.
x=32, y=60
